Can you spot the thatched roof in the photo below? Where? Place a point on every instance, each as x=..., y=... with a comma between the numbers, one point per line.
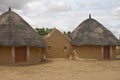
x=91, y=32
x=15, y=31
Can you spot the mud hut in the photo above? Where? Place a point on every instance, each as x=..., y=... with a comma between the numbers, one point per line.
x=19, y=42
x=58, y=45
x=91, y=40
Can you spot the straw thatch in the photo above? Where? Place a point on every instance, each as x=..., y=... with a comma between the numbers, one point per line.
x=15, y=31
x=91, y=32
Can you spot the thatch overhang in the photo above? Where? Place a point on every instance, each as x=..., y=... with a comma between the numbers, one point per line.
x=15, y=31
x=91, y=32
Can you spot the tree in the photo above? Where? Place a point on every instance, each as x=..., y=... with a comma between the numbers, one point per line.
x=67, y=33
x=43, y=31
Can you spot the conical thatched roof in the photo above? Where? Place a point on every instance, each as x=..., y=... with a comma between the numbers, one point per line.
x=91, y=32
x=15, y=31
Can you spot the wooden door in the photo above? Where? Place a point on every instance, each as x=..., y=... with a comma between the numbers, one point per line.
x=106, y=52
x=20, y=54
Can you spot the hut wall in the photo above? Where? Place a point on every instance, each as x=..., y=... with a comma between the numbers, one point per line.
x=58, y=51
x=35, y=55
x=5, y=55
x=58, y=45
x=89, y=52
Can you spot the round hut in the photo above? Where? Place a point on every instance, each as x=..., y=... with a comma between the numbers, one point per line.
x=19, y=42
x=91, y=40
x=58, y=45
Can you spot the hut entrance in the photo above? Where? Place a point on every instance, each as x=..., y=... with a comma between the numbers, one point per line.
x=20, y=54
x=106, y=52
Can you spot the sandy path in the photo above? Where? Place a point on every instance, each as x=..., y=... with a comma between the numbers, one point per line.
x=64, y=70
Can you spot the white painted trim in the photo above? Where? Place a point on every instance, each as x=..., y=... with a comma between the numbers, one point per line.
x=74, y=51
x=13, y=53
x=102, y=51
x=110, y=52
x=76, y=55
x=28, y=53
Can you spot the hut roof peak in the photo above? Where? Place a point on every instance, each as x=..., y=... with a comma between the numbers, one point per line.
x=89, y=16
x=9, y=9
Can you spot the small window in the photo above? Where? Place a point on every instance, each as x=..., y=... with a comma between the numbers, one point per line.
x=49, y=47
x=65, y=49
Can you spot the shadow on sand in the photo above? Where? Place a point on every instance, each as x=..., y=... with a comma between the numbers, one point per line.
x=25, y=64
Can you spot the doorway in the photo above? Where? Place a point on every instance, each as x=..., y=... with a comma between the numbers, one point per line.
x=20, y=54
x=106, y=52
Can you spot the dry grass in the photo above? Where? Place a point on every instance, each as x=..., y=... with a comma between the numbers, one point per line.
x=63, y=70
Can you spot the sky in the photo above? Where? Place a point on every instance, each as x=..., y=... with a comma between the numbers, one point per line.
x=66, y=15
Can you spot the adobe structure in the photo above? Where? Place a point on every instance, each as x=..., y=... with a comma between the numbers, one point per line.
x=19, y=42
x=57, y=45
x=91, y=40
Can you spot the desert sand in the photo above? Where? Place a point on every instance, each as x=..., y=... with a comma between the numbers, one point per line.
x=63, y=69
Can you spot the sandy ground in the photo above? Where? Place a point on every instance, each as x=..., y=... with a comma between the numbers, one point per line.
x=59, y=69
